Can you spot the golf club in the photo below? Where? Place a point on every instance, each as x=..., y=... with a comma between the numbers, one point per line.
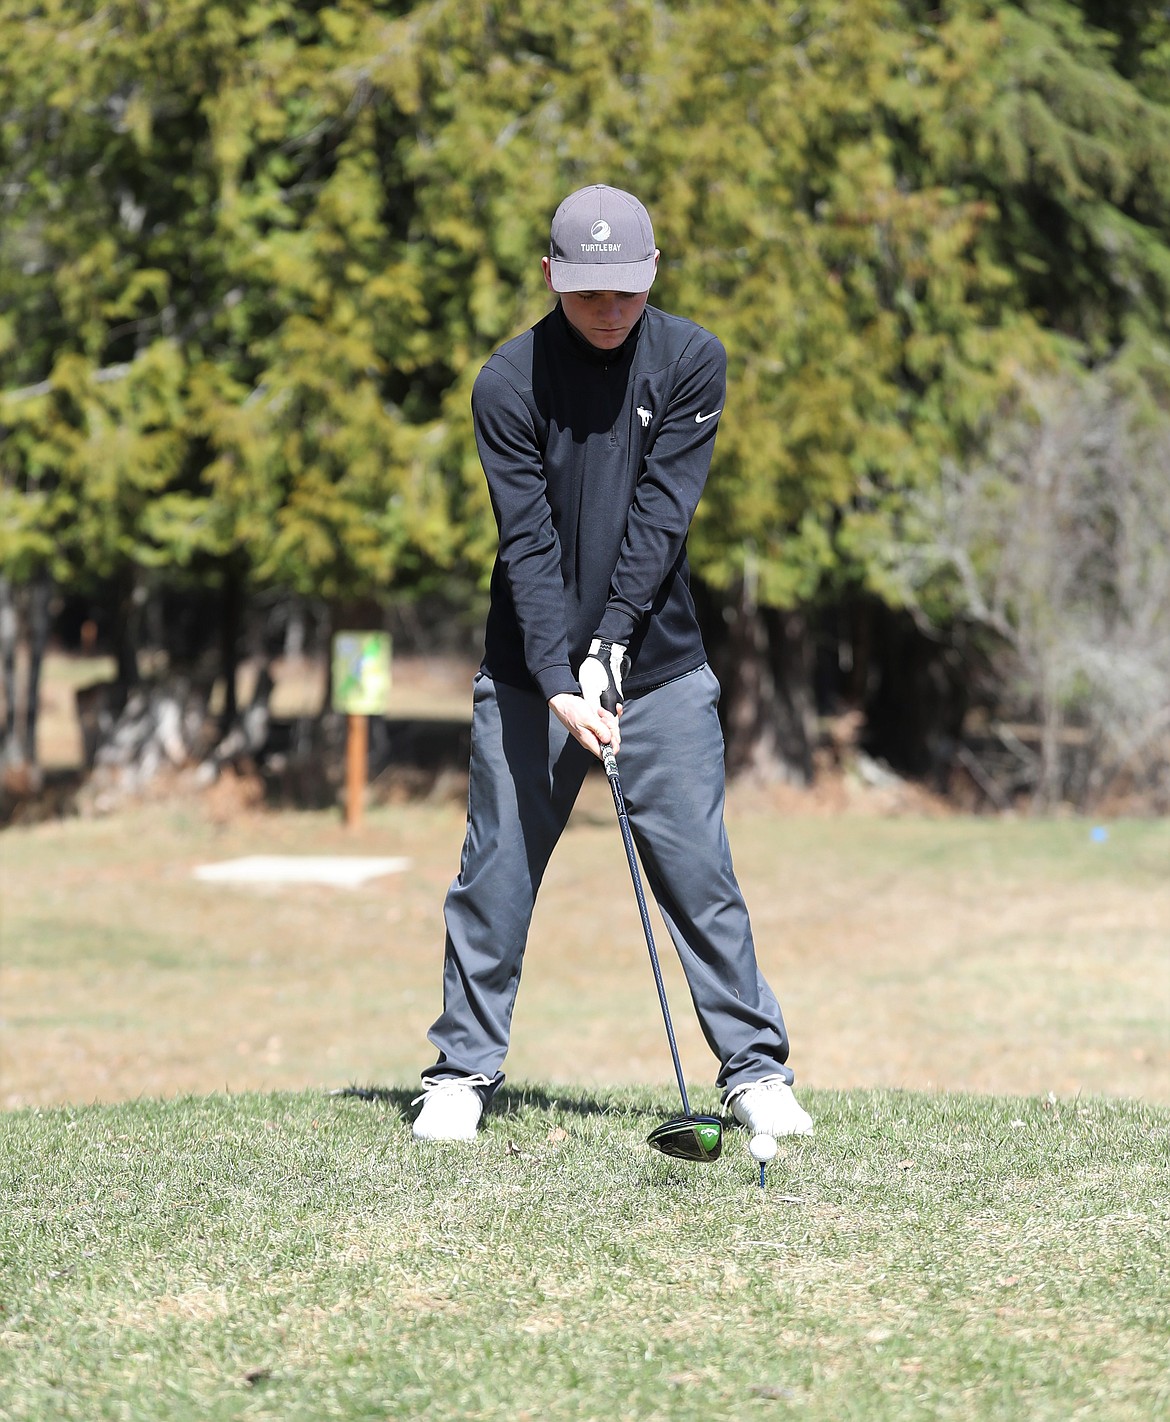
x=686, y=1137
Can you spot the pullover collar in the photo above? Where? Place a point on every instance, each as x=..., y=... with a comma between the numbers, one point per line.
x=581, y=347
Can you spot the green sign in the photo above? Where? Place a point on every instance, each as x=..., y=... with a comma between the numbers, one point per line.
x=361, y=673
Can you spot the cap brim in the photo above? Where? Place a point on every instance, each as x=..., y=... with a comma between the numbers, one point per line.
x=602, y=276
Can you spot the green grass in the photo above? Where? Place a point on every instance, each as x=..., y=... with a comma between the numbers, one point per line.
x=298, y=1257
x=275, y=1253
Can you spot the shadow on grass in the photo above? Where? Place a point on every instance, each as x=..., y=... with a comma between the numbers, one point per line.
x=519, y=1100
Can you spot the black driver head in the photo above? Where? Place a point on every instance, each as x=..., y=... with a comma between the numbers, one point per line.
x=689, y=1137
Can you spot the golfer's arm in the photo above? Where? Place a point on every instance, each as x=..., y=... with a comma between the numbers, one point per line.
x=668, y=492
x=529, y=548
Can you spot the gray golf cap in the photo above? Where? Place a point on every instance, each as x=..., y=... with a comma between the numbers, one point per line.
x=601, y=240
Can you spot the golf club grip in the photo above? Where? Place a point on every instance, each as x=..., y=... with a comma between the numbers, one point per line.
x=609, y=703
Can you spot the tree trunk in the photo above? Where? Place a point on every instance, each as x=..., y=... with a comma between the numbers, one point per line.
x=40, y=617
x=19, y=742
x=230, y=627
x=129, y=614
x=160, y=728
x=915, y=690
x=768, y=710
x=1049, y=791
x=9, y=628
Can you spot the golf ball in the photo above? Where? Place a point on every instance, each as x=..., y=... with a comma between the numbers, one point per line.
x=762, y=1148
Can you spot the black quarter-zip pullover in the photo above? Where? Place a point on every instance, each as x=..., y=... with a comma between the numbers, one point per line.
x=595, y=462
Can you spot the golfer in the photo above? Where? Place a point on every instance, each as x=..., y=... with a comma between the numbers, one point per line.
x=595, y=430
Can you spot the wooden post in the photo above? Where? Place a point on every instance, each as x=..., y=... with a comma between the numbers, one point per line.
x=360, y=676
x=356, y=757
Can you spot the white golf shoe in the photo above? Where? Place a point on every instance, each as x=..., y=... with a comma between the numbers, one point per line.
x=451, y=1108
x=768, y=1108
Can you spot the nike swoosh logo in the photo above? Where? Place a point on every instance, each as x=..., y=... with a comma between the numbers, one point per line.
x=702, y=419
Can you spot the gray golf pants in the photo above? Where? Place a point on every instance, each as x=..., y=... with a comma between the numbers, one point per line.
x=526, y=771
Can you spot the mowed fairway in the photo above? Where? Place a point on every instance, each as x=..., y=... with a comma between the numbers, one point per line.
x=194, y=1228
x=297, y=1258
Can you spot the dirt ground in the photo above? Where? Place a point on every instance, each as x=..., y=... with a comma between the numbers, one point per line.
x=909, y=947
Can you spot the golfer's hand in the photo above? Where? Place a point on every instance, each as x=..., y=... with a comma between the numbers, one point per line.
x=600, y=674
x=590, y=725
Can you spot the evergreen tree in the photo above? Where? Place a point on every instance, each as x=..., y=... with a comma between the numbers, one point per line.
x=253, y=257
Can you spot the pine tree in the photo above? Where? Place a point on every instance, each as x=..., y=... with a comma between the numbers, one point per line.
x=254, y=257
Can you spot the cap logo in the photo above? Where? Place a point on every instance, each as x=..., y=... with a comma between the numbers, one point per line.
x=601, y=237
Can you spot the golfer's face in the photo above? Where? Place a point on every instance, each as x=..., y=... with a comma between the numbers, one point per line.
x=603, y=318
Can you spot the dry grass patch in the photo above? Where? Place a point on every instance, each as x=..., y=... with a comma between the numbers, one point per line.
x=945, y=955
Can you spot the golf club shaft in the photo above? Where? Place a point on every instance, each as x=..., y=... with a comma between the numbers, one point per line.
x=610, y=762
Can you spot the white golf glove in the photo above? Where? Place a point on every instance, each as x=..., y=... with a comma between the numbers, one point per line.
x=600, y=674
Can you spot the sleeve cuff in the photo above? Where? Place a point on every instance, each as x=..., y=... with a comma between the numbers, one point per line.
x=616, y=626
x=553, y=681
